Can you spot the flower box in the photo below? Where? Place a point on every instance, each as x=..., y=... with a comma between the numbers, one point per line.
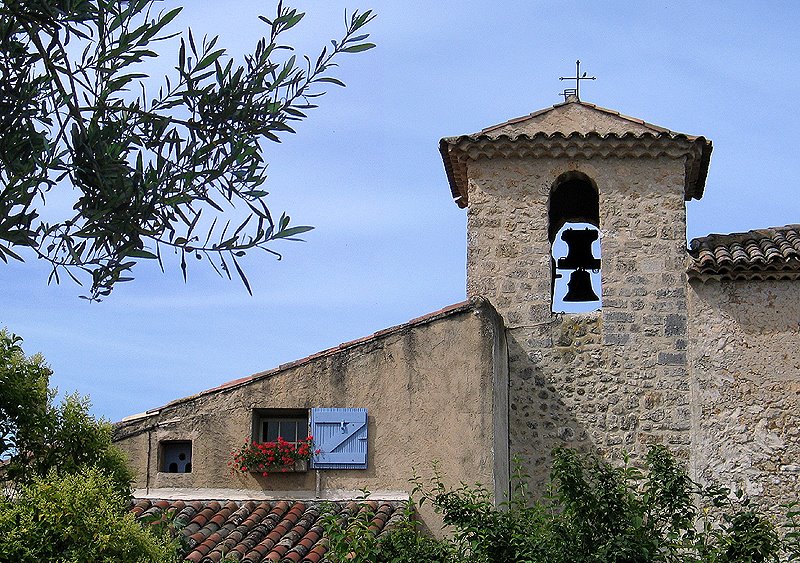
x=265, y=458
x=299, y=466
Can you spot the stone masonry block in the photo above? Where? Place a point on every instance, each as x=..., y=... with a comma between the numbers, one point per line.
x=616, y=339
x=670, y=292
x=618, y=317
x=671, y=358
x=675, y=325
x=613, y=303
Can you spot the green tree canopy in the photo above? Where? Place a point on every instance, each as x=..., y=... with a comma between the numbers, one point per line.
x=38, y=436
x=154, y=170
x=592, y=512
x=24, y=396
x=67, y=487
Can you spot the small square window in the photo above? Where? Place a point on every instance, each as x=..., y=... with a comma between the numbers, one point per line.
x=176, y=456
x=289, y=424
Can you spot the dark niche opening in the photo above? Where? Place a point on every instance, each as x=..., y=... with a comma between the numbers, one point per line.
x=176, y=456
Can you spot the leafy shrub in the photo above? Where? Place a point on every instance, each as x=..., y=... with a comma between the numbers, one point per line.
x=67, y=485
x=792, y=527
x=352, y=540
x=75, y=518
x=24, y=395
x=593, y=512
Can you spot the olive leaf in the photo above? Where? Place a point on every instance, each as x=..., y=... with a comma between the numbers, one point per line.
x=153, y=172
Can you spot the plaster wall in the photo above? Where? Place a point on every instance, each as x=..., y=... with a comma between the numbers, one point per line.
x=745, y=386
x=433, y=391
x=610, y=381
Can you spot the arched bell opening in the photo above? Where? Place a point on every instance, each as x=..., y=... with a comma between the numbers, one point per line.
x=573, y=229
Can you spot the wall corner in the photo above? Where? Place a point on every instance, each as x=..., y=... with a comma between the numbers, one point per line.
x=500, y=400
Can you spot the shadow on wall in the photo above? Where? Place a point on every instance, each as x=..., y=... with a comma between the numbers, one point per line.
x=555, y=394
x=757, y=307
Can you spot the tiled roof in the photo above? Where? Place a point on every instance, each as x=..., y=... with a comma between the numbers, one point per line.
x=574, y=129
x=261, y=531
x=762, y=254
x=609, y=112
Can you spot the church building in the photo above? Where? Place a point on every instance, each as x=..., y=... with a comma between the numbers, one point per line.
x=590, y=324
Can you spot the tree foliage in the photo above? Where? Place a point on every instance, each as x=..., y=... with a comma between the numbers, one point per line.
x=67, y=487
x=39, y=436
x=24, y=396
x=155, y=166
x=593, y=512
x=75, y=518
x=351, y=538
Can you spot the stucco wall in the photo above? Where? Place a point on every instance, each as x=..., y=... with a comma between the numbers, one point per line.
x=745, y=382
x=432, y=388
x=611, y=380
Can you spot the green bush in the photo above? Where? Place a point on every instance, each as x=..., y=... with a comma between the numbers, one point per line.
x=75, y=439
x=350, y=539
x=67, y=487
x=592, y=512
x=24, y=395
x=76, y=518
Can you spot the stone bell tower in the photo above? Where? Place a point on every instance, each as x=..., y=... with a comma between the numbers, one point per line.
x=611, y=379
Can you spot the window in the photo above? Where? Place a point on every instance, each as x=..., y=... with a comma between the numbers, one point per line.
x=289, y=424
x=340, y=434
x=176, y=456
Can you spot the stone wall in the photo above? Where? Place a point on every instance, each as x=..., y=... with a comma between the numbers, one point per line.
x=434, y=389
x=745, y=382
x=612, y=380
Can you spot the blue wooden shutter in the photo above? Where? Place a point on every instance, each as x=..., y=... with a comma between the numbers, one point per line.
x=341, y=437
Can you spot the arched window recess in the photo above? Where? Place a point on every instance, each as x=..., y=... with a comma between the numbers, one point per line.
x=573, y=229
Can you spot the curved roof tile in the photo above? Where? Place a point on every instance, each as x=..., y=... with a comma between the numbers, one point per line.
x=575, y=129
x=761, y=254
x=257, y=531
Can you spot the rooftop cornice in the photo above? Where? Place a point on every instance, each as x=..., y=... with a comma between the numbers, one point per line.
x=458, y=151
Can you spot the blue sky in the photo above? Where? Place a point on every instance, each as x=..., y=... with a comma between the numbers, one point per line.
x=389, y=243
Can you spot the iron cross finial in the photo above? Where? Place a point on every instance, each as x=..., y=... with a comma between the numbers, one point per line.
x=577, y=78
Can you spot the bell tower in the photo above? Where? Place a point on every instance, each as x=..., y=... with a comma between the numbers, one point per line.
x=613, y=375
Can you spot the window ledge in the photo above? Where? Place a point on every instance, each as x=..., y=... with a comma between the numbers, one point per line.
x=298, y=467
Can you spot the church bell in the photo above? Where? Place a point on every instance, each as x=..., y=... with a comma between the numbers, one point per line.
x=580, y=259
x=580, y=250
x=579, y=287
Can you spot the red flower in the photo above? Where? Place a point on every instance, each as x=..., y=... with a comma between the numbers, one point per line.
x=265, y=456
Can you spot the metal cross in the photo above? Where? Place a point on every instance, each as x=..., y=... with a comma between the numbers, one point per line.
x=577, y=78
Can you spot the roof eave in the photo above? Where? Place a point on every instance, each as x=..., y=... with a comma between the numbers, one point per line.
x=455, y=186
x=455, y=153
x=696, y=179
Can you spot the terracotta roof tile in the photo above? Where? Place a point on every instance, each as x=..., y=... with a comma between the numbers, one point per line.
x=762, y=254
x=258, y=531
x=611, y=112
x=630, y=136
